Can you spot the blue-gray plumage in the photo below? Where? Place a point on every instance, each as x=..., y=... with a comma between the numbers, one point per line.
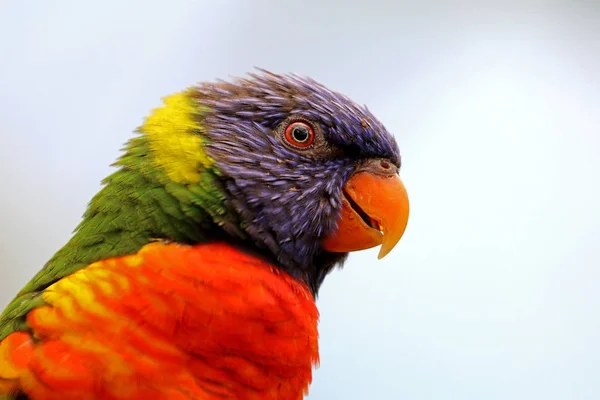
x=289, y=197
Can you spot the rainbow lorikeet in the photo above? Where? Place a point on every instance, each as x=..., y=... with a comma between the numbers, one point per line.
x=194, y=272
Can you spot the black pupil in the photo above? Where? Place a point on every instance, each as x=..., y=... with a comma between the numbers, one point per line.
x=300, y=133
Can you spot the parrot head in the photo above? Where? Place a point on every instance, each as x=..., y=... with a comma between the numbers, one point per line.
x=281, y=165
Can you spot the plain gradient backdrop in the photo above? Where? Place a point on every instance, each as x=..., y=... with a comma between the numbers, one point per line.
x=493, y=291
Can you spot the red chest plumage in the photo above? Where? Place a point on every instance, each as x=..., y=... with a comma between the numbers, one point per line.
x=171, y=322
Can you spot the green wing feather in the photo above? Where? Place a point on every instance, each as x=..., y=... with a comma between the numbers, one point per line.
x=137, y=204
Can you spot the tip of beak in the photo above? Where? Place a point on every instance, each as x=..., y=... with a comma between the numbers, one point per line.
x=383, y=252
x=389, y=242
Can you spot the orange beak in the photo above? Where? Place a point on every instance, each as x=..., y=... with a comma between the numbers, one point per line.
x=374, y=212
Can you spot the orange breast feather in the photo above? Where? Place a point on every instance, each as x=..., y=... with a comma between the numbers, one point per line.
x=170, y=322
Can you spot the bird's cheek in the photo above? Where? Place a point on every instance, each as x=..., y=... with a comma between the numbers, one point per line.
x=374, y=212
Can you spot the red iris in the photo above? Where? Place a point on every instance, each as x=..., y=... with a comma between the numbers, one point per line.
x=299, y=134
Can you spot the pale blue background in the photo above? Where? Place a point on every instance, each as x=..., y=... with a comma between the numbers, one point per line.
x=492, y=294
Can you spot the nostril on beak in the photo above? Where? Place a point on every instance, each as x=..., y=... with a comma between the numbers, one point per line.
x=380, y=166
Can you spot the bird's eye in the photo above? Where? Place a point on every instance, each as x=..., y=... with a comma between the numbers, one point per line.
x=299, y=134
